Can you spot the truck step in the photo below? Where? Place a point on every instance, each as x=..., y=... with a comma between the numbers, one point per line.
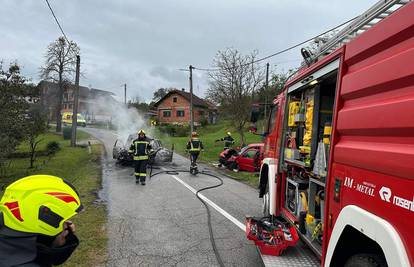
x=297, y=256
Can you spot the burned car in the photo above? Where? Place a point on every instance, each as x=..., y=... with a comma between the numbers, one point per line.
x=160, y=154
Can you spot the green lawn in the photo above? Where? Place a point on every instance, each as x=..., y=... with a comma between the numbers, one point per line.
x=249, y=178
x=84, y=171
x=212, y=149
x=50, y=136
x=208, y=135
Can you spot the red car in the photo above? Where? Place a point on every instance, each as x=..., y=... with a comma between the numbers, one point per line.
x=248, y=159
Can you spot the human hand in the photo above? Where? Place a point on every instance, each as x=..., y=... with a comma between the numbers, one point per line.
x=60, y=239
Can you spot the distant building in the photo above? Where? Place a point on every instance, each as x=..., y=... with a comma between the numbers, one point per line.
x=92, y=102
x=174, y=108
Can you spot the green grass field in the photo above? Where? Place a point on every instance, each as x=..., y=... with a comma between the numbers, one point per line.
x=84, y=171
x=208, y=135
x=212, y=149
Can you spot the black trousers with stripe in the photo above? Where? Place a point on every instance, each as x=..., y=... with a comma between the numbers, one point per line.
x=193, y=157
x=141, y=169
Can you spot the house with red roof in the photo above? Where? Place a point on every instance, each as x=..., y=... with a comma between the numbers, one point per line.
x=174, y=108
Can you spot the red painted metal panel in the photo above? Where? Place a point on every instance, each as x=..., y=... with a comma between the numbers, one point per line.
x=374, y=128
x=387, y=74
x=362, y=189
x=376, y=124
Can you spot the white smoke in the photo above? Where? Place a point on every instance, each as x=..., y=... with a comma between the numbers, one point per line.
x=125, y=120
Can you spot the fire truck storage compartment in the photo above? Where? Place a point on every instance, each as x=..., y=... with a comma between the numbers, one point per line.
x=307, y=132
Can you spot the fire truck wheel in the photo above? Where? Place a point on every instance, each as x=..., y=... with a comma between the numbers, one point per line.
x=366, y=260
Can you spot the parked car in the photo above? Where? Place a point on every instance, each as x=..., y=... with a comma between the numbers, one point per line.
x=160, y=154
x=249, y=158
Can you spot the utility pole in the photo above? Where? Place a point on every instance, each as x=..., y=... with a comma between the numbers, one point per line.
x=75, y=104
x=266, y=87
x=191, y=99
x=125, y=93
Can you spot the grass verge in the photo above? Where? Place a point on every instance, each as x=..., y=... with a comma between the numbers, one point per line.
x=249, y=178
x=212, y=149
x=84, y=171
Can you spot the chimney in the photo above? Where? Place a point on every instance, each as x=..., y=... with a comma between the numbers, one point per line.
x=182, y=89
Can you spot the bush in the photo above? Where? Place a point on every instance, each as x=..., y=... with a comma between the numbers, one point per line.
x=175, y=130
x=204, y=121
x=182, y=131
x=52, y=147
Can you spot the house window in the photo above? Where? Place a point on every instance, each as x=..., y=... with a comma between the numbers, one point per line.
x=65, y=96
x=166, y=113
x=70, y=106
x=201, y=112
x=175, y=99
x=65, y=106
x=180, y=113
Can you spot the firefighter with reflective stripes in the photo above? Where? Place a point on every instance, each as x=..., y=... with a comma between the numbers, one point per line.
x=194, y=146
x=228, y=141
x=140, y=149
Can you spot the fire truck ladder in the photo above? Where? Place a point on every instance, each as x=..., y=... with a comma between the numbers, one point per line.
x=372, y=16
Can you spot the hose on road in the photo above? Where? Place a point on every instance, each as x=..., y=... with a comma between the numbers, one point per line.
x=210, y=227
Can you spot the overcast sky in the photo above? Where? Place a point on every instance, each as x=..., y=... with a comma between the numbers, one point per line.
x=144, y=43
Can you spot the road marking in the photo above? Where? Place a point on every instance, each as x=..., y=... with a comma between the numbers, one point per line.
x=212, y=204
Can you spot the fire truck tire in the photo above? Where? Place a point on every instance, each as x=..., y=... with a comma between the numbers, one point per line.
x=366, y=260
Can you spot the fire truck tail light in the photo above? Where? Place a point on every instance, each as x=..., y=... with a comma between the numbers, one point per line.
x=337, y=189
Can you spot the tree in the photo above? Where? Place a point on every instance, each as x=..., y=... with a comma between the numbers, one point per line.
x=35, y=124
x=15, y=95
x=136, y=102
x=160, y=93
x=265, y=96
x=233, y=85
x=60, y=65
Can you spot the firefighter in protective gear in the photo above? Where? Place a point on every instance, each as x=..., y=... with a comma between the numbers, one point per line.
x=140, y=148
x=228, y=141
x=34, y=221
x=194, y=146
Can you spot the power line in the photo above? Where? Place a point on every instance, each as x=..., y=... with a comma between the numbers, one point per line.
x=60, y=27
x=57, y=21
x=284, y=50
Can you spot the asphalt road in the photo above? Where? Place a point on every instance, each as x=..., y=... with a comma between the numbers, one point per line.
x=164, y=224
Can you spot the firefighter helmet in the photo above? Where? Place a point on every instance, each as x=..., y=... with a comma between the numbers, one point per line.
x=228, y=133
x=39, y=204
x=194, y=134
x=141, y=132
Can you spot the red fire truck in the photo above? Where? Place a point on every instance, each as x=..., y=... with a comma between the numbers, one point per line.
x=339, y=147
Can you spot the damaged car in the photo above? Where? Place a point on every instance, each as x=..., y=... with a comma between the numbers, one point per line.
x=159, y=153
x=249, y=158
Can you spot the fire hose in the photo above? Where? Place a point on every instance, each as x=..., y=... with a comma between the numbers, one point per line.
x=210, y=227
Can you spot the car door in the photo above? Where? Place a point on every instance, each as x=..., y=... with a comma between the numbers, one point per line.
x=247, y=159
